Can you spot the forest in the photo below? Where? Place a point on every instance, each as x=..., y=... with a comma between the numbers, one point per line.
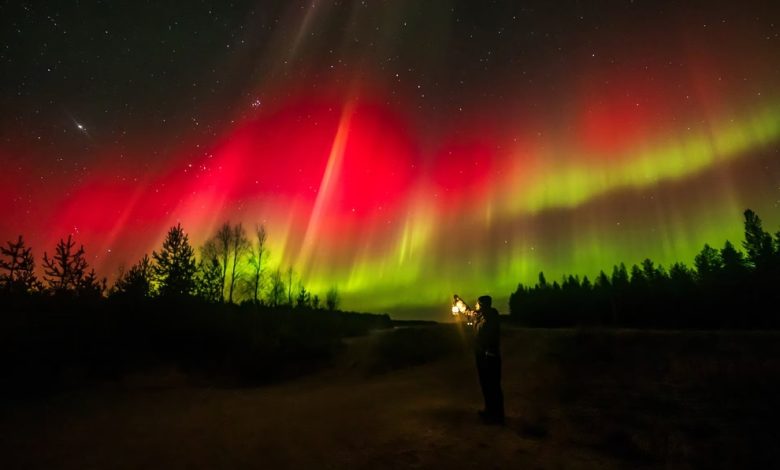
x=726, y=288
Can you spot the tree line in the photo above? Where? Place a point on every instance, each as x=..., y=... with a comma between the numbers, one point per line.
x=725, y=288
x=231, y=267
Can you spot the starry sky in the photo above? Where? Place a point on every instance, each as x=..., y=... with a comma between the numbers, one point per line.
x=400, y=150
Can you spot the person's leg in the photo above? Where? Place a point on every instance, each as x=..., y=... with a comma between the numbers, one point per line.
x=494, y=396
x=498, y=394
x=484, y=380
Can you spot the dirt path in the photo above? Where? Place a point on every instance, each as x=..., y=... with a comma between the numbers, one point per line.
x=593, y=400
x=422, y=416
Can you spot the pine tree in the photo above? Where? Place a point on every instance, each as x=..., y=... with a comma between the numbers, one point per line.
x=602, y=281
x=137, y=281
x=174, y=265
x=90, y=286
x=304, y=297
x=19, y=267
x=758, y=243
x=208, y=280
x=708, y=264
x=620, y=277
x=65, y=271
x=734, y=263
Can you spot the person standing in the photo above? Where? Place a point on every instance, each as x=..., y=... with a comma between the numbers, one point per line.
x=487, y=351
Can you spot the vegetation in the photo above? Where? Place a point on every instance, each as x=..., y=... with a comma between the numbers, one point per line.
x=726, y=288
x=169, y=308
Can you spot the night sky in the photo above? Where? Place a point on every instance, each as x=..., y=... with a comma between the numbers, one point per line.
x=401, y=150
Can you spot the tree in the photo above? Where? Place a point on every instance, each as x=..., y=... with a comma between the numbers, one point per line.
x=276, y=292
x=137, y=281
x=90, y=286
x=257, y=253
x=174, y=265
x=758, y=243
x=602, y=281
x=332, y=298
x=290, y=275
x=638, y=278
x=620, y=277
x=304, y=297
x=315, y=302
x=542, y=281
x=64, y=272
x=19, y=267
x=681, y=276
x=734, y=263
x=708, y=264
x=208, y=280
x=239, y=245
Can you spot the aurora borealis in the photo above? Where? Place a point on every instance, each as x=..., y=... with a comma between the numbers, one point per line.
x=399, y=150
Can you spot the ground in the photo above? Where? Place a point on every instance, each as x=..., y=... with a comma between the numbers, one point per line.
x=408, y=398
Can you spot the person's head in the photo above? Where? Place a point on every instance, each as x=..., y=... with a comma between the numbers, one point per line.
x=484, y=302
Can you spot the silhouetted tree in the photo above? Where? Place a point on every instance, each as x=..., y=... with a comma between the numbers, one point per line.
x=19, y=266
x=620, y=277
x=208, y=280
x=136, y=282
x=174, y=265
x=219, y=249
x=257, y=254
x=602, y=281
x=290, y=275
x=681, y=275
x=65, y=271
x=758, y=243
x=315, y=302
x=276, y=291
x=332, y=299
x=708, y=264
x=238, y=246
x=542, y=281
x=304, y=297
x=735, y=266
x=90, y=286
x=638, y=279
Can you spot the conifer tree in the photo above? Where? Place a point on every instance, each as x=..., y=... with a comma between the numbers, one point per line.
x=18, y=265
x=174, y=265
x=65, y=271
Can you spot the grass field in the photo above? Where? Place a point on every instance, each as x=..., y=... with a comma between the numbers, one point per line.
x=408, y=398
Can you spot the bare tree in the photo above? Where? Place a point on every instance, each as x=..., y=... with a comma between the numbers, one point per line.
x=332, y=298
x=257, y=252
x=290, y=275
x=239, y=246
x=65, y=270
x=221, y=247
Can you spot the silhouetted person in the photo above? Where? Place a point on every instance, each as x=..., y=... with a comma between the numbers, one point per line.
x=487, y=351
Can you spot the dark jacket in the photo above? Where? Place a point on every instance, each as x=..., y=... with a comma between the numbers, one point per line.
x=487, y=329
